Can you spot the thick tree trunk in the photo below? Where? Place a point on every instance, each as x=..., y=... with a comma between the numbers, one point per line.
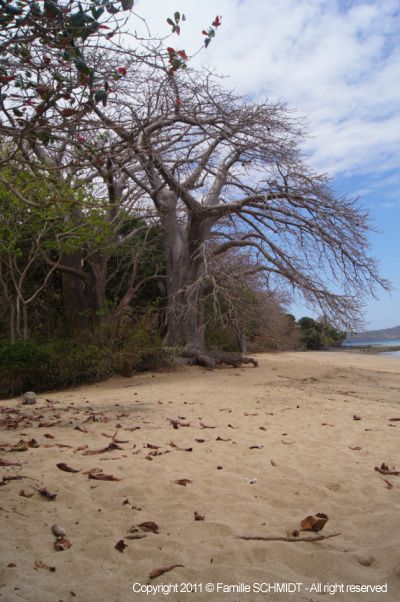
x=73, y=292
x=184, y=270
x=84, y=298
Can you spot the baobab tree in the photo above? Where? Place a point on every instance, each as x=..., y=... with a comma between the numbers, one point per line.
x=225, y=173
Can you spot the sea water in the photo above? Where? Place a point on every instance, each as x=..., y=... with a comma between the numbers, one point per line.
x=376, y=343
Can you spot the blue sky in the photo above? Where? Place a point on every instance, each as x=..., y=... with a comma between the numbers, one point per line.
x=336, y=63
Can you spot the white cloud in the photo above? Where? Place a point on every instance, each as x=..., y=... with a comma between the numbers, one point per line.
x=335, y=62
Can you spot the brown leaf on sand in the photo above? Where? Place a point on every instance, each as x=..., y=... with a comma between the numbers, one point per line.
x=246, y=414
x=357, y=448
x=206, y=426
x=198, y=516
x=314, y=523
x=394, y=419
x=48, y=436
x=256, y=446
x=120, y=545
x=232, y=427
x=66, y=468
x=163, y=569
x=355, y=417
x=81, y=429
x=49, y=496
x=384, y=469
x=111, y=447
x=221, y=439
x=389, y=485
x=183, y=482
x=177, y=423
x=80, y=448
x=200, y=440
x=100, y=476
x=62, y=544
x=41, y=565
x=151, y=446
x=19, y=447
x=273, y=463
x=93, y=470
x=186, y=449
x=149, y=526
x=7, y=463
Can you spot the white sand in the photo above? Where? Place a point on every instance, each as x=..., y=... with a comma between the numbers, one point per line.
x=305, y=403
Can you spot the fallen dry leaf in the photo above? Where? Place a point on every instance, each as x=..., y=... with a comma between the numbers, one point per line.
x=120, y=545
x=100, y=476
x=200, y=440
x=7, y=463
x=149, y=526
x=62, y=544
x=384, y=469
x=198, y=516
x=47, y=494
x=151, y=446
x=256, y=446
x=355, y=417
x=81, y=429
x=389, y=485
x=183, y=482
x=177, y=423
x=206, y=426
x=111, y=447
x=357, y=448
x=66, y=468
x=41, y=565
x=314, y=523
x=163, y=569
x=221, y=439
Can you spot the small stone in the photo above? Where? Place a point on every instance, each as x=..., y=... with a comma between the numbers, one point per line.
x=29, y=398
x=58, y=530
x=27, y=492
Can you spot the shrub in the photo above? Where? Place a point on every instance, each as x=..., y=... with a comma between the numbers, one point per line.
x=40, y=366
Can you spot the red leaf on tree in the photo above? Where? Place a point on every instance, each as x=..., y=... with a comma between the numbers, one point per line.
x=183, y=55
x=217, y=21
x=122, y=70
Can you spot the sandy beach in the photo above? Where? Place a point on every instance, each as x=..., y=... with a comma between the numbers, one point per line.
x=251, y=451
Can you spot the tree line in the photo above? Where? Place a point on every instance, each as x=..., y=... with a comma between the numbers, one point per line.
x=138, y=195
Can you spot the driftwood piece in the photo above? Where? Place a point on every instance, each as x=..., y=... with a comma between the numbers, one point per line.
x=291, y=539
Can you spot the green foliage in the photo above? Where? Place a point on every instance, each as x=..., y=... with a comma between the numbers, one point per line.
x=59, y=363
x=319, y=334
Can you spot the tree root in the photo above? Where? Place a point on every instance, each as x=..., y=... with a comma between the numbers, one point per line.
x=211, y=359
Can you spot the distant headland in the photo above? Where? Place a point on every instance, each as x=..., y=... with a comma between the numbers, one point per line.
x=384, y=334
